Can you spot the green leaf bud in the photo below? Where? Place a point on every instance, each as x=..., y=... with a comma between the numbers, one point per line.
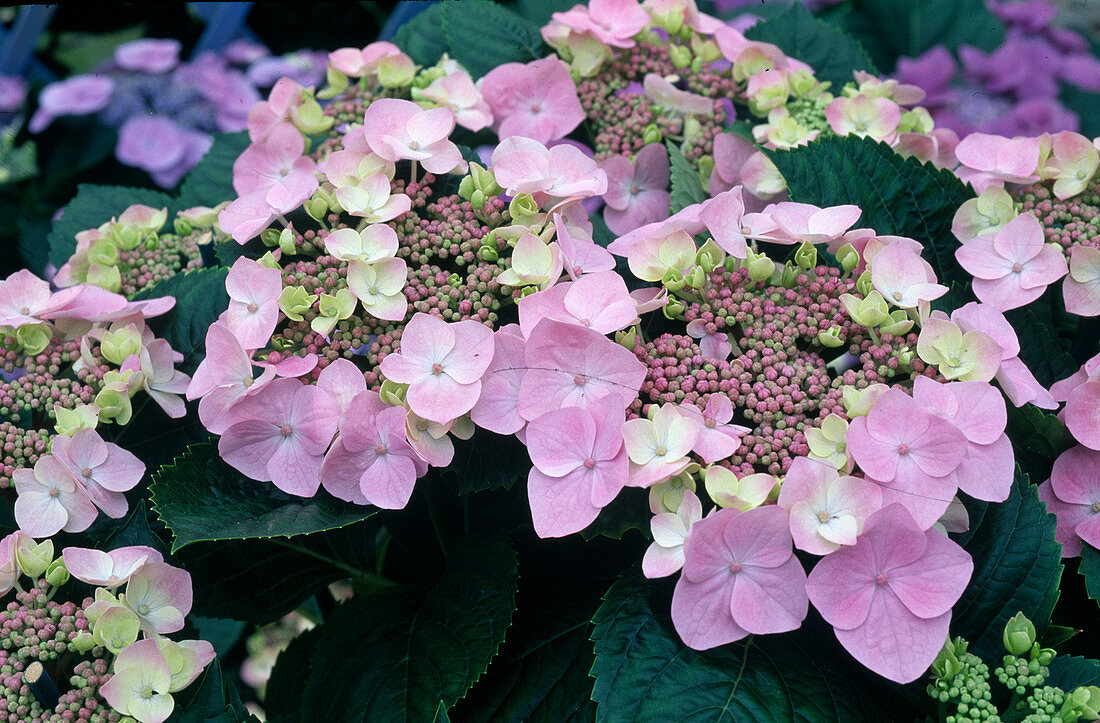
x=848, y=257
x=627, y=338
x=673, y=280
x=34, y=338
x=1019, y=634
x=806, y=256
x=710, y=256
x=57, y=574
x=295, y=301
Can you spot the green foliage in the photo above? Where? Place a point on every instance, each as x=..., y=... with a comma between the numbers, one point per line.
x=212, y=698
x=395, y=654
x=687, y=188
x=1038, y=437
x=1086, y=105
x=1017, y=567
x=830, y=51
x=1040, y=348
x=644, y=673
x=84, y=52
x=200, y=298
x=211, y=181
x=487, y=461
x=899, y=196
x=628, y=511
x=90, y=208
x=1090, y=570
x=891, y=28
x=480, y=35
x=1070, y=671
x=200, y=498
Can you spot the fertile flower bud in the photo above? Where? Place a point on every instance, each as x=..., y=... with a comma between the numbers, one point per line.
x=57, y=574
x=393, y=393
x=697, y=279
x=33, y=337
x=309, y=117
x=705, y=49
x=524, y=210
x=295, y=301
x=181, y=227
x=33, y=558
x=916, y=120
x=830, y=337
x=488, y=254
x=270, y=237
x=126, y=237
x=869, y=312
x=105, y=277
x=336, y=83
x=1019, y=634
x=806, y=256
x=673, y=309
x=710, y=256
x=864, y=285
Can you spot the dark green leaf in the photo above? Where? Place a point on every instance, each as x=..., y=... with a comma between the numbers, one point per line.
x=1086, y=105
x=831, y=52
x=1070, y=671
x=200, y=498
x=83, y=52
x=686, y=186
x=211, y=181
x=899, y=196
x=1090, y=570
x=211, y=699
x=914, y=27
x=393, y=655
x=645, y=673
x=1017, y=567
x=1056, y=635
x=628, y=511
x=539, y=11
x=287, y=685
x=200, y=298
x=222, y=633
x=480, y=35
x=1047, y=359
x=90, y=208
x=488, y=461
x=1038, y=438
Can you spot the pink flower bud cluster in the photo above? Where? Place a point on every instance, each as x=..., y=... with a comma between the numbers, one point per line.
x=1067, y=223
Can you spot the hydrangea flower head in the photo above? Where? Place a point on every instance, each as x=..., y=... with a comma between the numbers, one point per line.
x=537, y=100
x=1073, y=494
x=1012, y=266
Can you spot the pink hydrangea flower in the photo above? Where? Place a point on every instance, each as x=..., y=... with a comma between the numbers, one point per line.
x=108, y=569
x=442, y=364
x=994, y=160
x=140, y=683
x=674, y=100
x=1012, y=266
x=637, y=193
x=740, y=576
x=909, y=453
x=904, y=278
x=372, y=462
x=889, y=595
x=276, y=168
x=1082, y=412
x=670, y=530
x=1073, y=494
x=160, y=595
x=804, y=222
x=160, y=146
x=580, y=254
x=827, y=511
x=50, y=499
x=456, y=90
x=401, y=130
x=103, y=469
x=599, y=301
x=537, y=100
x=253, y=302
x=718, y=439
x=497, y=408
x=224, y=376
x=1081, y=289
x=569, y=365
x=863, y=116
x=280, y=434
x=265, y=116
x=658, y=447
x=713, y=346
x=148, y=55
x=580, y=464
x=79, y=95
x=612, y=22
x=559, y=174
x=723, y=216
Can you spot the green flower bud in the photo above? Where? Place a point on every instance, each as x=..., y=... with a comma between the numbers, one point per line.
x=1086, y=702
x=673, y=309
x=70, y=421
x=696, y=65
x=905, y=356
x=869, y=312
x=116, y=628
x=270, y=236
x=393, y=393
x=454, y=280
x=864, y=285
x=396, y=73
x=705, y=48
x=105, y=277
x=466, y=187
x=1019, y=634
x=710, y=256
x=830, y=337
x=789, y=278
x=627, y=338
x=269, y=261
x=484, y=180
x=523, y=209
x=916, y=120
x=329, y=199
x=899, y=323
x=946, y=665
x=671, y=20
x=697, y=279
x=706, y=168
x=286, y=241
x=488, y=254
x=127, y=237
x=114, y=404
x=680, y=55
x=673, y=280
x=332, y=309
x=104, y=252
x=34, y=559
x=181, y=227
x=848, y=257
x=760, y=267
x=317, y=210
x=117, y=345
x=309, y=117
x=806, y=256
x=1046, y=656
x=295, y=301
x=477, y=198
x=84, y=641
x=527, y=291
x=732, y=263
x=57, y=574
x=33, y=338
x=336, y=82
x=652, y=134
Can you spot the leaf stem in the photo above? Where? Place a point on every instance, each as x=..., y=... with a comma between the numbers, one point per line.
x=350, y=569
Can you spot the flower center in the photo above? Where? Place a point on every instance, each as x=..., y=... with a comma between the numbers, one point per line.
x=589, y=463
x=285, y=430
x=247, y=381
x=535, y=108
x=284, y=171
x=437, y=368
x=252, y=308
x=634, y=189
x=1096, y=507
x=143, y=609
x=373, y=291
x=87, y=472
x=897, y=296
x=54, y=492
x=1017, y=267
x=422, y=425
x=661, y=450
x=735, y=567
x=25, y=310
x=414, y=145
x=147, y=692
x=578, y=379
x=711, y=423
x=880, y=579
x=380, y=449
x=585, y=322
x=824, y=516
x=903, y=449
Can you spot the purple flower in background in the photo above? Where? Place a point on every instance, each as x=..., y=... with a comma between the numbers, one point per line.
x=148, y=55
x=933, y=73
x=13, y=91
x=307, y=67
x=79, y=95
x=244, y=52
x=161, y=147
x=1031, y=16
